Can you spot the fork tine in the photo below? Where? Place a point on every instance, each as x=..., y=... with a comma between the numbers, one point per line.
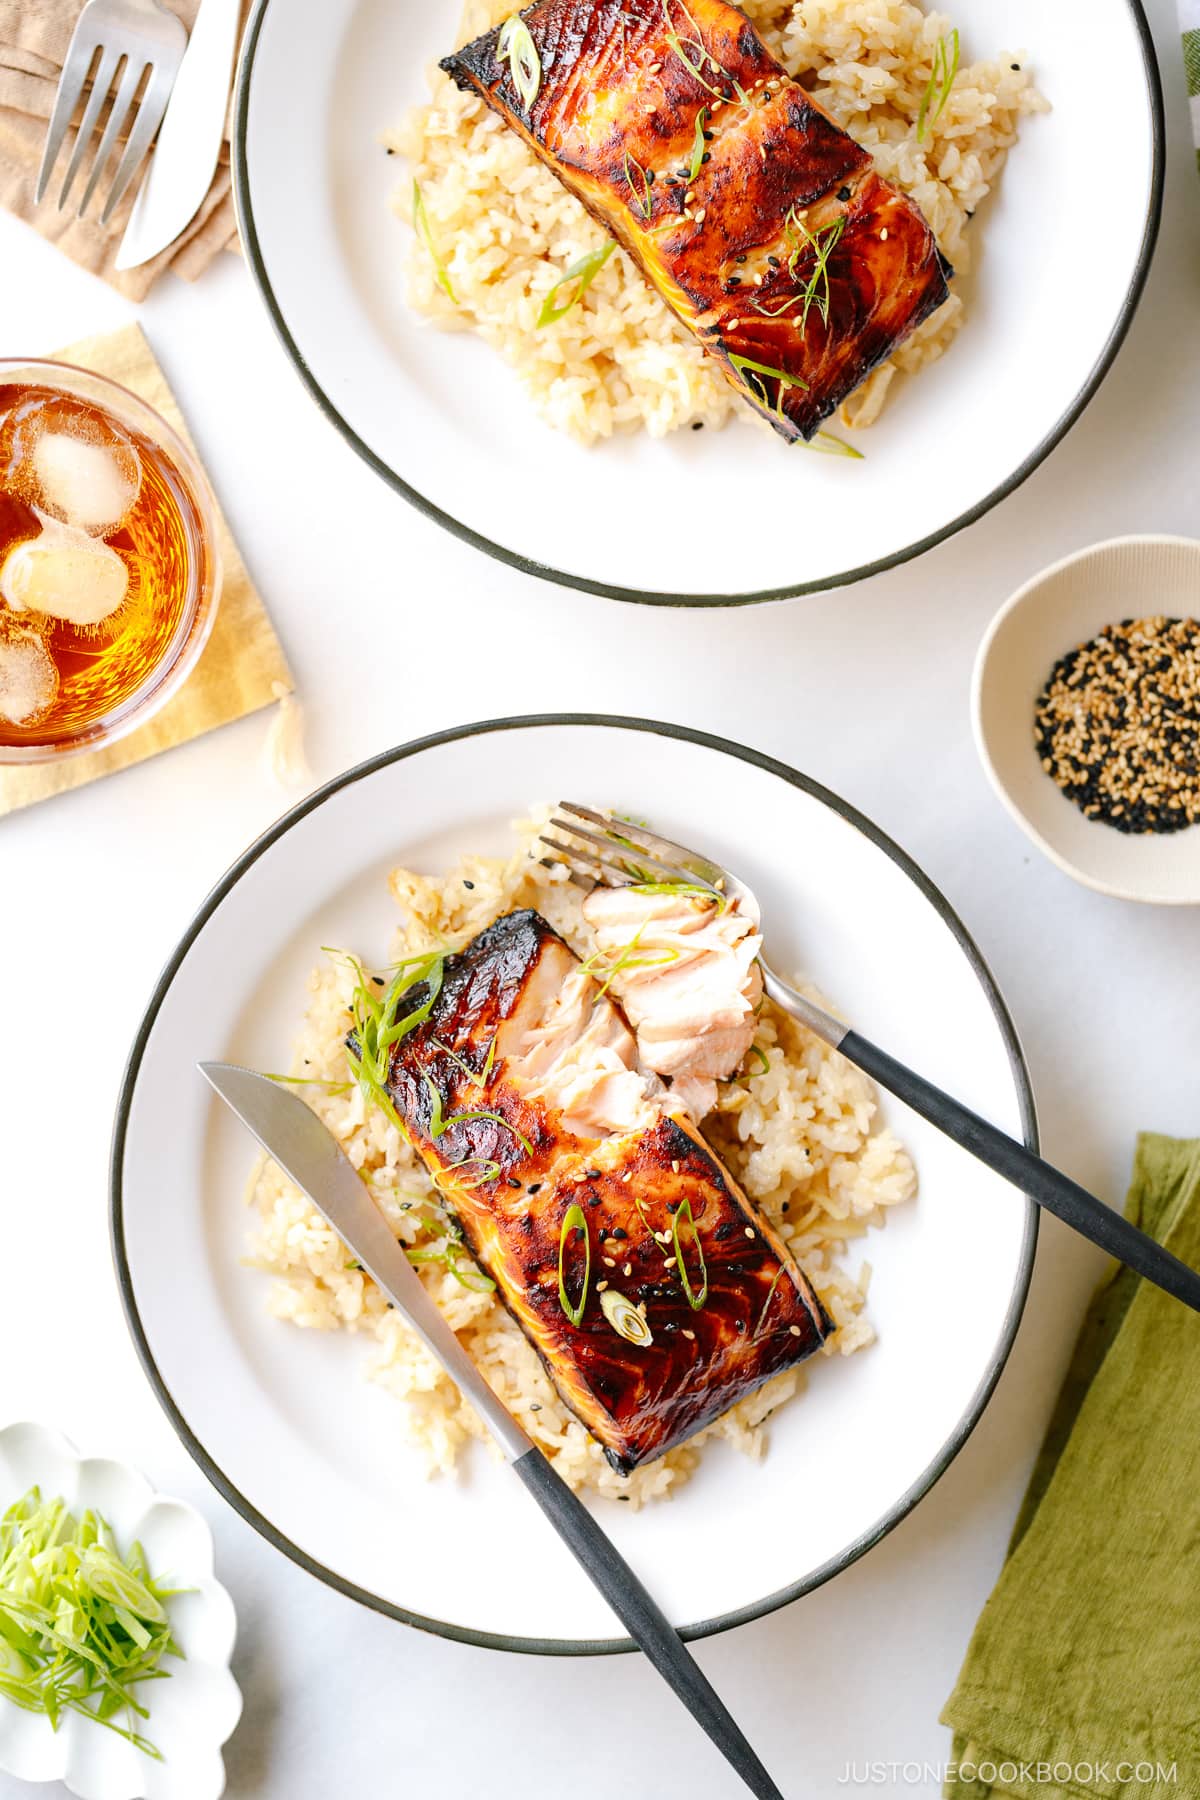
x=149, y=118
x=574, y=857
x=612, y=842
x=131, y=77
x=80, y=57
x=102, y=81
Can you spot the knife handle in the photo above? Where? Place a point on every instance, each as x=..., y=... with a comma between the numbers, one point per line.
x=644, y=1620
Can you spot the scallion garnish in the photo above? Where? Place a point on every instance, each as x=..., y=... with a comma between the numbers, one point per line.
x=575, y=1220
x=331, y=1087
x=425, y=233
x=477, y=1077
x=639, y=184
x=455, y=1260
x=376, y=1027
x=749, y=370
x=699, y=888
x=698, y=143
x=700, y=56
x=822, y=244
x=625, y=1318
x=764, y=1059
x=582, y=272
x=599, y=964
x=826, y=444
x=439, y=1126
x=766, y=1303
x=516, y=47
x=941, y=80
x=695, y=1297
x=81, y=1626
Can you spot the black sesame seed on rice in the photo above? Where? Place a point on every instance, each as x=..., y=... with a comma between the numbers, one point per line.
x=1117, y=725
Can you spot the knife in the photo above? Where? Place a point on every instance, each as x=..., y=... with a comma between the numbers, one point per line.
x=189, y=139
x=294, y=1137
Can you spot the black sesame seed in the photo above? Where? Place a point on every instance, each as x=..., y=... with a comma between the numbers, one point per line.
x=468, y=884
x=535, y=1187
x=843, y=195
x=512, y=1181
x=697, y=424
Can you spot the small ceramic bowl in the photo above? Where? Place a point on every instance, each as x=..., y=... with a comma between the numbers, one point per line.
x=193, y=1713
x=1131, y=577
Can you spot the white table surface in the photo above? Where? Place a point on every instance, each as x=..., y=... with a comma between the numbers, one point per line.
x=864, y=689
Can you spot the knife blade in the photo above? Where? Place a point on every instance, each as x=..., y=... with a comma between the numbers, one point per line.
x=308, y=1153
x=189, y=139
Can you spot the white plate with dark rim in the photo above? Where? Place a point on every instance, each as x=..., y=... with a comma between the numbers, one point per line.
x=443, y=419
x=284, y=1422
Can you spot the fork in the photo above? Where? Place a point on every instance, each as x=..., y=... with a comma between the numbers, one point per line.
x=601, y=850
x=121, y=42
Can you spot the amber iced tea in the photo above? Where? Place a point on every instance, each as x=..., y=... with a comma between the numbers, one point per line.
x=105, y=561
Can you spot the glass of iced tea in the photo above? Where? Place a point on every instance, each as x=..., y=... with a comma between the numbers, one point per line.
x=109, y=569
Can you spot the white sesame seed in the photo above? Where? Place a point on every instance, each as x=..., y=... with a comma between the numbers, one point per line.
x=700, y=217
x=688, y=1334
x=675, y=1168
x=600, y=1286
x=749, y=1231
x=628, y=1268
x=669, y=1263
x=883, y=233
x=758, y=281
x=609, y=1262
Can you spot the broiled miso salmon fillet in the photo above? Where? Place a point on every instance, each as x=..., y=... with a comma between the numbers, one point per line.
x=762, y=223
x=654, y=1293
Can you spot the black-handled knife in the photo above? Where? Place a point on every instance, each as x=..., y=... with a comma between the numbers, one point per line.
x=308, y=1153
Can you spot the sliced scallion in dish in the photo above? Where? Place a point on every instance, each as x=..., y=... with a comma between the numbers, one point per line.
x=425, y=232
x=639, y=184
x=439, y=1125
x=82, y=1626
x=582, y=273
x=750, y=371
x=516, y=47
x=826, y=444
x=574, y=1221
x=698, y=143
x=822, y=244
x=625, y=1318
x=941, y=80
x=695, y=1296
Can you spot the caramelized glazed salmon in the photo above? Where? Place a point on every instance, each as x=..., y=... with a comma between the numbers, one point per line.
x=762, y=224
x=521, y=1093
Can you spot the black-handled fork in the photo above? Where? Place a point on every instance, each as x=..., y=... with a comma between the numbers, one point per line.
x=598, y=849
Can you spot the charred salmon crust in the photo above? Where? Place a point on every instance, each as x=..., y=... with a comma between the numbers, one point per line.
x=516, y=1027
x=778, y=245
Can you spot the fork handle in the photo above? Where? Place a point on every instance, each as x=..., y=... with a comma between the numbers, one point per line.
x=1040, y=1180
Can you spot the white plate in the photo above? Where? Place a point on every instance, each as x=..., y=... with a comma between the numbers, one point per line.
x=1065, y=244
x=284, y=1422
x=193, y=1713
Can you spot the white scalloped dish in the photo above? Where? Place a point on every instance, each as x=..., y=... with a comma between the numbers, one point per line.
x=193, y=1713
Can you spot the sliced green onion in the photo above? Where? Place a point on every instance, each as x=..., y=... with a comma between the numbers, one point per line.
x=425, y=233
x=700, y=57
x=477, y=1077
x=582, y=272
x=575, y=1220
x=747, y=367
x=700, y=888
x=625, y=1318
x=516, y=47
x=822, y=244
x=439, y=1126
x=454, y=1259
x=764, y=1059
x=941, y=80
x=698, y=143
x=826, y=444
x=331, y=1087
x=695, y=1297
x=767, y=1302
x=639, y=184
x=81, y=1626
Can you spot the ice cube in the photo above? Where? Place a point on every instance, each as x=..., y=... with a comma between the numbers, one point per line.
x=28, y=677
x=73, y=462
x=65, y=574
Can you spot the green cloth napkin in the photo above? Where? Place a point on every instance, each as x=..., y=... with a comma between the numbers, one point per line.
x=1082, y=1681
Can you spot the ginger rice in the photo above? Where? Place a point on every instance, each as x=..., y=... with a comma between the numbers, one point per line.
x=506, y=231
x=799, y=1134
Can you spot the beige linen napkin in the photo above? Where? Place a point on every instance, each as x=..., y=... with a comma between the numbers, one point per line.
x=34, y=35
x=242, y=666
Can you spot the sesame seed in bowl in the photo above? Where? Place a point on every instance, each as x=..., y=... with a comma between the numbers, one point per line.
x=1086, y=712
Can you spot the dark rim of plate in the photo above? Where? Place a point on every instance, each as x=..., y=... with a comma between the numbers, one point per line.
x=257, y=262
x=704, y=1627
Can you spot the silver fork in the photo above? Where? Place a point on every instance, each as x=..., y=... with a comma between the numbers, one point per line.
x=121, y=42
x=599, y=849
